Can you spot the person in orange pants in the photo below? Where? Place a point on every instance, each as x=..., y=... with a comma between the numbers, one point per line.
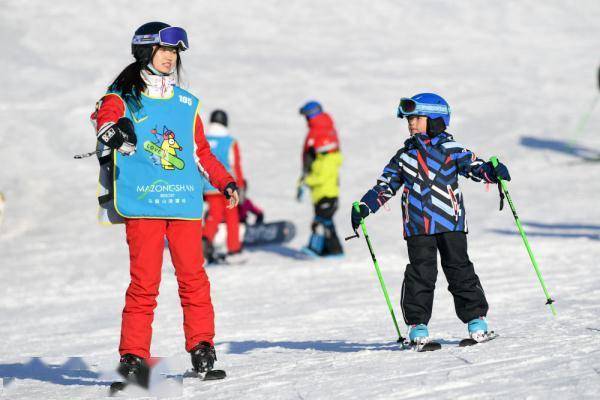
x=227, y=151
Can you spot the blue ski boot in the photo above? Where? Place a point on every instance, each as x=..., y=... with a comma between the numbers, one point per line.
x=418, y=333
x=419, y=339
x=478, y=330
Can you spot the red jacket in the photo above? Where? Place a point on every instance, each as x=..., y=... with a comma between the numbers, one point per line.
x=322, y=136
x=237, y=166
x=112, y=108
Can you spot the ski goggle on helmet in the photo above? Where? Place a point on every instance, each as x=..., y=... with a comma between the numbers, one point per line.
x=425, y=104
x=172, y=36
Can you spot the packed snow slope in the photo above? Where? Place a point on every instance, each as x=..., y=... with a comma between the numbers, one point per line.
x=518, y=75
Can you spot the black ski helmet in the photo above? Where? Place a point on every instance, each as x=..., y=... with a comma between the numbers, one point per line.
x=143, y=52
x=219, y=116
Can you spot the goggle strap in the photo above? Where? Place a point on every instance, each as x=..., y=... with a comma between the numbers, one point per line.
x=146, y=39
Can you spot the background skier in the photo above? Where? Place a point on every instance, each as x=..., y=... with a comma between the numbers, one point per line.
x=227, y=151
x=321, y=161
x=427, y=168
x=144, y=96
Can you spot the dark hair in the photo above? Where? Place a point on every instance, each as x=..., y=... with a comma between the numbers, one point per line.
x=130, y=84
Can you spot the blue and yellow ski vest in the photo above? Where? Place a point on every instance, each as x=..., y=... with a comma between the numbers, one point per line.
x=161, y=179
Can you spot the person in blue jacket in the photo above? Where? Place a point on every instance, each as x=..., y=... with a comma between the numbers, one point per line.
x=425, y=171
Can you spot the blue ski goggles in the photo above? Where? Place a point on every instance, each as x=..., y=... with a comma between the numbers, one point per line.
x=172, y=36
x=409, y=107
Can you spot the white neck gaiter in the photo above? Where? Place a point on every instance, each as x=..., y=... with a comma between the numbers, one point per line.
x=158, y=86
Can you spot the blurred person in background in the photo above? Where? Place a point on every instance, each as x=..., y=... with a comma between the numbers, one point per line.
x=227, y=150
x=321, y=162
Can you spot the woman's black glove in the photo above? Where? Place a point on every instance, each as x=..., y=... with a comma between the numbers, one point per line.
x=120, y=136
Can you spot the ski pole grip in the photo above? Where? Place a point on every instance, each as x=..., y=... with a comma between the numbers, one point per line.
x=351, y=237
x=356, y=206
x=494, y=161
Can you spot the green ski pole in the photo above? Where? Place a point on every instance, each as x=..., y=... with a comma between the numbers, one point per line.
x=583, y=122
x=356, y=206
x=584, y=118
x=549, y=301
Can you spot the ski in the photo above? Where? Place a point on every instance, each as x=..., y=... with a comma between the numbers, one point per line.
x=471, y=342
x=429, y=346
x=212, y=375
x=421, y=347
x=117, y=387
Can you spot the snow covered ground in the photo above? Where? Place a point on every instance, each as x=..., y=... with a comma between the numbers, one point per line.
x=518, y=75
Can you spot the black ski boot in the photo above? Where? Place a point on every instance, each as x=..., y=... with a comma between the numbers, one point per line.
x=203, y=361
x=208, y=251
x=135, y=370
x=203, y=357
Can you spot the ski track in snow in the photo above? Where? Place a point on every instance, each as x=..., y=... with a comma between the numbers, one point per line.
x=292, y=329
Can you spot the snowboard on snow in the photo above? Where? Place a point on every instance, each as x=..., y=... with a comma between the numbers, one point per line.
x=277, y=232
x=251, y=236
x=269, y=233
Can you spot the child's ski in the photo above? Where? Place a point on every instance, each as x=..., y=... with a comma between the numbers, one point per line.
x=429, y=346
x=471, y=342
x=421, y=346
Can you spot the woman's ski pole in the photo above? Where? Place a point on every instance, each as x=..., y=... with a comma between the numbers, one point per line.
x=549, y=301
x=385, y=293
x=86, y=155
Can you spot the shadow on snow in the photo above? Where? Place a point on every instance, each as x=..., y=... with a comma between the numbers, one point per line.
x=557, y=230
x=334, y=346
x=560, y=146
x=73, y=372
x=318, y=345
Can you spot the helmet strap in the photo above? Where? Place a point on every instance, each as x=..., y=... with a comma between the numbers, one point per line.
x=435, y=126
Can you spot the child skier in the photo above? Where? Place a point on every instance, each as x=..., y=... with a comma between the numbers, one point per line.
x=227, y=151
x=321, y=161
x=433, y=215
x=151, y=136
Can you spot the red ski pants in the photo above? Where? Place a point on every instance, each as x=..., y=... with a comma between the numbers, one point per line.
x=218, y=210
x=146, y=240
